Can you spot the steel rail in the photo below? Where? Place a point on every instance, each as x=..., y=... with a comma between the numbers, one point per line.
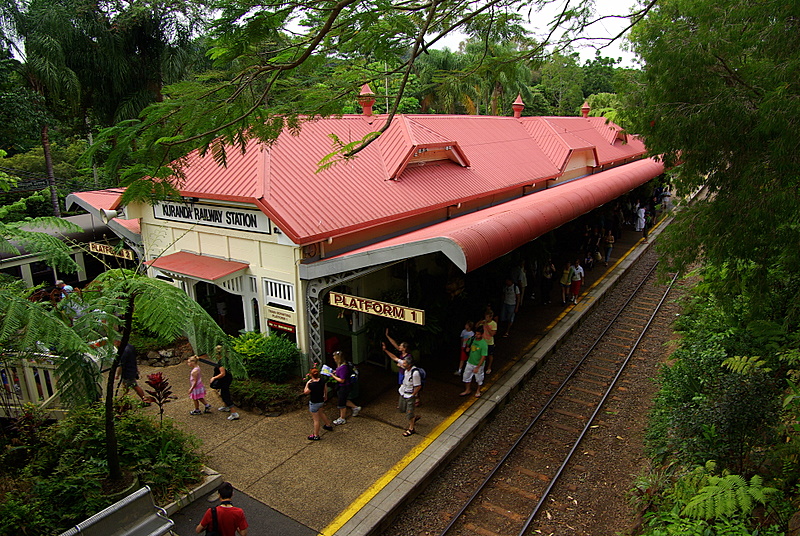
x=610, y=388
x=544, y=408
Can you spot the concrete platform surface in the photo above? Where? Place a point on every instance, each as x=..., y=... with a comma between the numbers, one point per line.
x=351, y=481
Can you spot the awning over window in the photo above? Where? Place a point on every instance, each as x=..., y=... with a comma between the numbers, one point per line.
x=473, y=240
x=196, y=266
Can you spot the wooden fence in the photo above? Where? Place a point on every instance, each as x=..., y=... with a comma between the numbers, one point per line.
x=29, y=379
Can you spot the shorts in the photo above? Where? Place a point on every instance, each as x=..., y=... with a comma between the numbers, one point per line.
x=507, y=312
x=576, y=288
x=464, y=355
x=407, y=405
x=342, y=392
x=314, y=407
x=490, y=350
x=470, y=372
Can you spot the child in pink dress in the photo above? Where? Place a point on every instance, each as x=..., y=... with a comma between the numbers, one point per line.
x=197, y=391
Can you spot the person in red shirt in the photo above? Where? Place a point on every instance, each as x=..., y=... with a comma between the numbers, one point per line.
x=230, y=520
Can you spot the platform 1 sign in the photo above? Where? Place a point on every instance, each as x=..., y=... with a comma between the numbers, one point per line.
x=373, y=307
x=106, y=249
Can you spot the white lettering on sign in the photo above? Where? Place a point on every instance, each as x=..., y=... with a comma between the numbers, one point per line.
x=214, y=216
x=373, y=307
x=105, y=249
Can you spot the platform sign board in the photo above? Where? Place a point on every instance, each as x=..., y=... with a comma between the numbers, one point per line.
x=374, y=307
x=105, y=249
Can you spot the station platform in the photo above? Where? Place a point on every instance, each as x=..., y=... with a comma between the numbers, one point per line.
x=357, y=477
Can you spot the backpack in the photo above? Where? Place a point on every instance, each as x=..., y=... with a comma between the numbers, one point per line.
x=213, y=528
x=352, y=376
x=422, y=374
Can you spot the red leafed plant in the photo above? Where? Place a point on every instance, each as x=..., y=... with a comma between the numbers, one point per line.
x=161, y=391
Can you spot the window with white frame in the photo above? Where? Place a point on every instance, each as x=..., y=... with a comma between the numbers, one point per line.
x=279, y=293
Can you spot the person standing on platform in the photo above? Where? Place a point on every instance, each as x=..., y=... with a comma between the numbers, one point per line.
x=409, y=390
x=566, y=282
x=608, y=242
x=546, y=284
x=342, y=375
x=478, y=351
x=489, y=325
x=64, y=288
x=641, y=211
x=222, y=380
x=520, y=278
x=578, y=276
x=317, y=387
x=466, y=335
x=229, y=521
x=405, y=351
x=511, y=301
x=197, y=391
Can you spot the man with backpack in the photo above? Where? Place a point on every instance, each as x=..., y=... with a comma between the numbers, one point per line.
x=225, y=519
x=412, y=383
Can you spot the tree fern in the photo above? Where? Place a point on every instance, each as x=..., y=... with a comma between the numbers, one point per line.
x=27, y=235
x=727, y=496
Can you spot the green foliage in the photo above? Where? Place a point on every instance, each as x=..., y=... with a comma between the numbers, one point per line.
x=254, y=393
x=719, y=95
x=69, y=461
x=272, y=358
x=727, y=496
x=23, y=516
x=705, y=411
x=700, y=502
x=745, y=365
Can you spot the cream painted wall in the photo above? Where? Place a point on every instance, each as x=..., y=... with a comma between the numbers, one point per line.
x=266, y=257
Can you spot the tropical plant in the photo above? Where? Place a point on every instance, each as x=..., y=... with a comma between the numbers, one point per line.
x=161, y=391
x=107, y=308
x=69, y=461
x=727, y=496
x=272, y=357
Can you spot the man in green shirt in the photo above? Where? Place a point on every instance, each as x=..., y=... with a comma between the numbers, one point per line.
x=477, y=349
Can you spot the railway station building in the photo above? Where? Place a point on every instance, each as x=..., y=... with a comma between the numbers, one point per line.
x=272, y=242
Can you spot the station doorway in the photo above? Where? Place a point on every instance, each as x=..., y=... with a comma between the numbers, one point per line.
x=226, y=308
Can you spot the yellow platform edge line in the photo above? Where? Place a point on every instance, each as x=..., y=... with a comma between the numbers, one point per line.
x=392, y=473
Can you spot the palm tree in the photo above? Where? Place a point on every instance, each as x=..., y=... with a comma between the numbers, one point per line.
x=109, y=305
x=445, y=82
x=40, y=33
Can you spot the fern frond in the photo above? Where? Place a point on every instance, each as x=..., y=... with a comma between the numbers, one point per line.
x=79, y=381
x=745, y=365
x=727, y=496
x=27, y=326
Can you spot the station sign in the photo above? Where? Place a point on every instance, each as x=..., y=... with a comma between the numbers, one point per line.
x=379, y=308
x=105, y=249
x=242, y=219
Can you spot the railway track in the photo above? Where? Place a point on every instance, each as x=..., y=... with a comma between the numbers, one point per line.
x=509, y=499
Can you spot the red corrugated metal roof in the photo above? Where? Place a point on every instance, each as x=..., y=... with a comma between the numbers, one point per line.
x=472, y=240
x=311, y=205
x=197, y=266
x=104, y=199
x=604, y=137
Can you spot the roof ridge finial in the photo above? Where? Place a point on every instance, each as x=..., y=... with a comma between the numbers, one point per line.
x=585, y=109
x=518, y=106
x=366, y=98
